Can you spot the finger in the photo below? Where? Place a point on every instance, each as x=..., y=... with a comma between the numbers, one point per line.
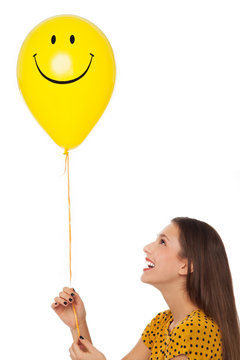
x=55, y=305
x=70, y=291
x=82, y=347
x=77, y=349
x=73, y=293
x=66, y=297
x=69, y=297
x=73, y=357
x=61, y=301
x=87, y=344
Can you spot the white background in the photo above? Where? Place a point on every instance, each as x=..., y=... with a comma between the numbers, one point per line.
x=167, y=145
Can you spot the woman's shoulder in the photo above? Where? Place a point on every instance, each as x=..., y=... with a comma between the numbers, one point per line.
x=199, y=320
x=155, y=328
x=198, y=323
x=162, y=317
x=198, y=335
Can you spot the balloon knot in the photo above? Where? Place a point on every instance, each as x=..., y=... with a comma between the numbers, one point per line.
x=65, y=152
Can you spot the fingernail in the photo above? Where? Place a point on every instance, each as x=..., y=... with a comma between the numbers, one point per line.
x=72, y=294
x=81, y=337
x=55, y=303
x=65, y=303
x=70, y=299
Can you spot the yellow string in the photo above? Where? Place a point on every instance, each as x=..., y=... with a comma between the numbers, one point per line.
x=70, y=240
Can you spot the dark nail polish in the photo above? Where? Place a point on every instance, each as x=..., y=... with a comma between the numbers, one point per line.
x=70, y=299
x=55, y=303
x=65, y=303
x=81, y=337
x=72, y=294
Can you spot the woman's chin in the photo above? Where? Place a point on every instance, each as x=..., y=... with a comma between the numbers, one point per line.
x=143, y=278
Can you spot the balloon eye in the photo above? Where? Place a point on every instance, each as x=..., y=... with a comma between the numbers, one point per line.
x=53, y=39
x=72, y=39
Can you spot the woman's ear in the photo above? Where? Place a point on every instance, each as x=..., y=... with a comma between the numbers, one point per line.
x=184, y=268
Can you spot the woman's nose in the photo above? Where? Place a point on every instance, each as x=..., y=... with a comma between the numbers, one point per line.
x=147, y=248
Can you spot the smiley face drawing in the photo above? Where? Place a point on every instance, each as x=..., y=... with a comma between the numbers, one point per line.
x=66, y=73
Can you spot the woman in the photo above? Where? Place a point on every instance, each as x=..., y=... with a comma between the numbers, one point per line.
x=189, y=265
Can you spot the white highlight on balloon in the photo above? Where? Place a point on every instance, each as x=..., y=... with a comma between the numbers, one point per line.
x=62, y=64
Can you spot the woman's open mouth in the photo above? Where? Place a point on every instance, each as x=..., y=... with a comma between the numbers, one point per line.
x=150, y=264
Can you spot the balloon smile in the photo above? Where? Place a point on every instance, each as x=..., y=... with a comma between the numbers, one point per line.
x=62, y=82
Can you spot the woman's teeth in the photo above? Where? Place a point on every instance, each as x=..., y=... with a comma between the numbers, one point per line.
x=150, y=264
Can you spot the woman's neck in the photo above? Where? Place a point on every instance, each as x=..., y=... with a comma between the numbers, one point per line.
x=179, y=304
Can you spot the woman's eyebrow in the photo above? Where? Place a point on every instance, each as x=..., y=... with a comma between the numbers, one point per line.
x=163, y=235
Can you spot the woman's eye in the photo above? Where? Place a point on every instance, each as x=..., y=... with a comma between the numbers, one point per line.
x=162, y=240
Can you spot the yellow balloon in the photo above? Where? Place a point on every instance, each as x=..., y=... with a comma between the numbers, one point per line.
x=66, y=73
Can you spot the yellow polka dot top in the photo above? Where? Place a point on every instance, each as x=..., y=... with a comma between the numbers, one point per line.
x=197, y=337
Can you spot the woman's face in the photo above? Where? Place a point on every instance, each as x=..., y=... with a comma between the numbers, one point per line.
x=168, y=268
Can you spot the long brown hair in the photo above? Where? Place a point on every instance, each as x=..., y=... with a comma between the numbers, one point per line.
x=210, y=285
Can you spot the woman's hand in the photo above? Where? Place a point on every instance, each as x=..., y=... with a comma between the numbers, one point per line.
x=84, y=350
x=64, y=309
